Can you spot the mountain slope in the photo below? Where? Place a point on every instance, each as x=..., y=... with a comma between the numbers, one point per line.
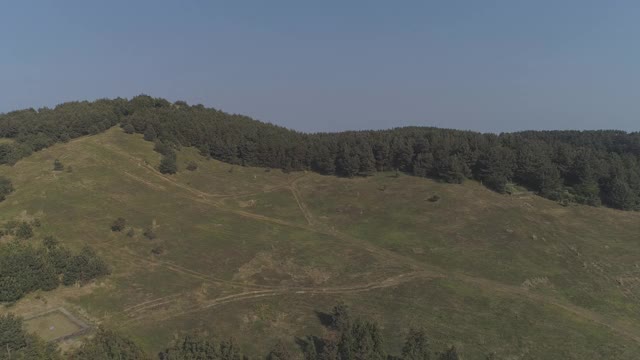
x=253, y=252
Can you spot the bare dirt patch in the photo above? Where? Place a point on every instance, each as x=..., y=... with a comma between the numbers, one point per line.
x=247, y=204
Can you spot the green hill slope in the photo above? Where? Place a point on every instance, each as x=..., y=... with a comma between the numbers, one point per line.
x=254, y=254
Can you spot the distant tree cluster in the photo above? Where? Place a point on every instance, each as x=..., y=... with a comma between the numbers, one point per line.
x=362, y=339
x=21, y=230
x=25, y=268
x=34, y=130
x=352, y=340
x=588, y=167
x=108, y=345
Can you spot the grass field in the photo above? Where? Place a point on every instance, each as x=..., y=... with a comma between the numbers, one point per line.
x=54, y=325
x=254, y=254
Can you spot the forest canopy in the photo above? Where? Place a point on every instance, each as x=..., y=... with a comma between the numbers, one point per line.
x=587, y=167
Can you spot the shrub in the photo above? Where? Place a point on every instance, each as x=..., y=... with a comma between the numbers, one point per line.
x=85, y=266
x=158, y=250
x=434, y=198
x=149, y=233
x=129, y=129
x=57, y=165
x=192, y=166
x=10, y=226
x=131, y=232
x=118, y=224
x=24, y=231
x=50, y=242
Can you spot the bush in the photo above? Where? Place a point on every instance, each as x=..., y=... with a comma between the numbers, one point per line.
x=85, y=266
x=50, y=242
x=57, y=165
x=24, y=231
x=118, y=224
x=434, y=198
x=149, y=233
x=131, y=232
x=192, y=166
x=129, y=129
x=158, y=250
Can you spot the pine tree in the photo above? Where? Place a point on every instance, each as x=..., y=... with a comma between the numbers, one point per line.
x=150, y=134
x=341, y=317
x=168, y=165
x=416, y=346
x=310, y=351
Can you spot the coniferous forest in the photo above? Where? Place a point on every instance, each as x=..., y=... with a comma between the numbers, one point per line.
x=587, y=167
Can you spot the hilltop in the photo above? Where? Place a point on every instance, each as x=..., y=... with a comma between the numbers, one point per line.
x=255, y=252
x=584, y=167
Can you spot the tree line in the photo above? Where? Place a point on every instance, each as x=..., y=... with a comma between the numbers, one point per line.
x=25, y=268
x=348, y=338
x=587, y=167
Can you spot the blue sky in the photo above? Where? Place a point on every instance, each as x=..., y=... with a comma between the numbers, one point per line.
x=336, y=65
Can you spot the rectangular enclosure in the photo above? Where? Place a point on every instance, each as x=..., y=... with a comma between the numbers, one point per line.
x=53, y=325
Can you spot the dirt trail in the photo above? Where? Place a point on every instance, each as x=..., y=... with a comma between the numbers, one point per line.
x=627, y=330
x=303, y=207
x=142, y=304
x=148, y=183
x=293, y=290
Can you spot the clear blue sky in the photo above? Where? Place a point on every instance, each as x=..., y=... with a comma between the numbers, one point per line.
x=335, y=65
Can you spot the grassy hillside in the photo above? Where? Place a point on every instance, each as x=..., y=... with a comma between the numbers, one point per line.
x=256, y=253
